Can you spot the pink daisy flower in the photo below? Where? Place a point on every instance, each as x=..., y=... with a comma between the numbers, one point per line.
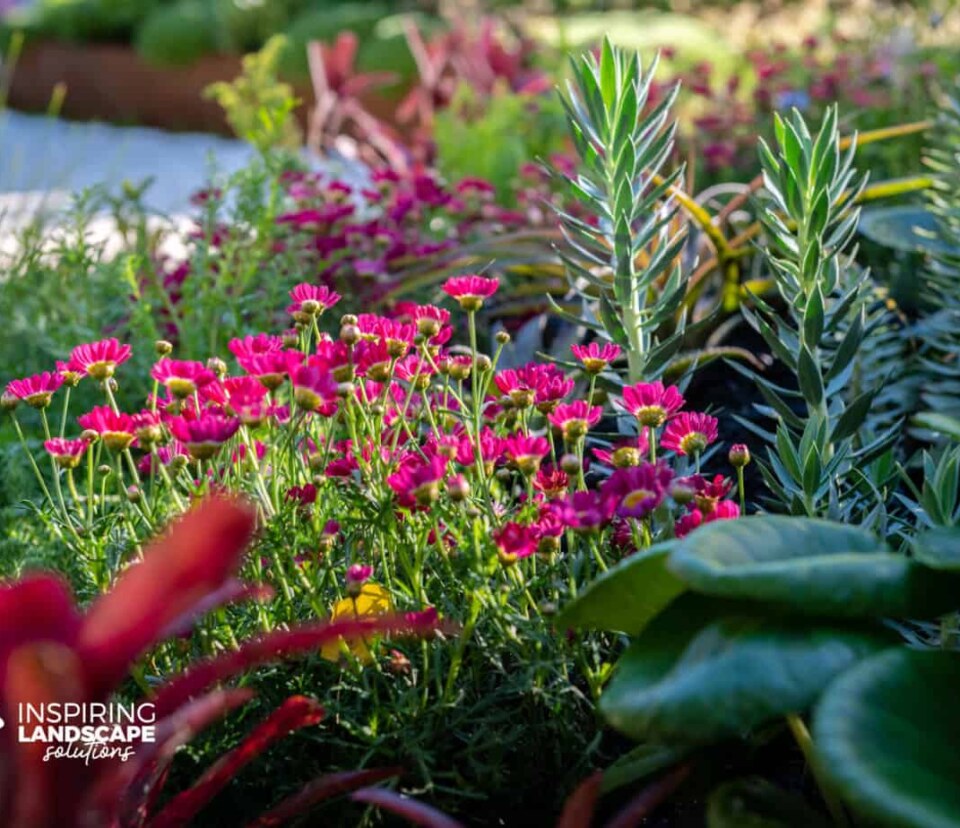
x=36, y=391
x=515, y=541
x=418, y=482
x=575, y=419
x=637, y=491
x=690, y=433
x=315, y=389
x=724, y=510
x=203, y=436
x=117, y=430
x=625, y=453
x=66, y=453
x=312, y=300
x=583, y=512
x=470, y=290
x=651, y=403
x=255, y=345
x=596, y=358
x=99, y=359
x=526, y=452
x=182, y=378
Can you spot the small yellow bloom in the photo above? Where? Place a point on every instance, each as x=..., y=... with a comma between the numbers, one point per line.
x=372, y=602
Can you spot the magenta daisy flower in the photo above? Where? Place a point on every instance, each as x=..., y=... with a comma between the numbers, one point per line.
x=315, y=389
x=525, y=452
x=690, y=433
x=203, y=436
x=471, y=290
x=311, y=300
x=182, y=378
x=651, y=403
x=255, y=345
x=515, y=541
x=625, y=453
x=116, y=430
x=583, y=512
x=575, y=419
x=417, y=482
x=66, y=453
x=596, y=358
x=37, y=390
x=99, y=359
x=635, y=492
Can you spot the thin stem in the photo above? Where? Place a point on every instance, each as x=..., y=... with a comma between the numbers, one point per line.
x=803, y=739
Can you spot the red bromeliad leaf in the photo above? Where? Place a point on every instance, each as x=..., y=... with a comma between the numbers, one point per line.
x=131, y=786
x=410, y=809
x=580, y=805
x=276, y=645
x=295, y=713
x=326, y=787
x=232, y=592
x=196, y=557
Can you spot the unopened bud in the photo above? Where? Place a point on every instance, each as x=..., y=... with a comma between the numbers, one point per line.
x=133, y=494
x=570, y=463
x=739, y=455
x=501, y=337
x=162, y=347
x=218, y=366
x=350, y=334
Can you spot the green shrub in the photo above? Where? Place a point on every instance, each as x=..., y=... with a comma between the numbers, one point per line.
x=180, y=34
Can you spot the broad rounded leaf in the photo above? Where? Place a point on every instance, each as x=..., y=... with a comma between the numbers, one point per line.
x=754, y=802
x=887, y=733
x=910, y=229
x=626, y=597
x=939, y=548
x=706, y=670
x=810, y=566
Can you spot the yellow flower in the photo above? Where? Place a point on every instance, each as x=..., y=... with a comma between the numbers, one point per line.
x=373, y=601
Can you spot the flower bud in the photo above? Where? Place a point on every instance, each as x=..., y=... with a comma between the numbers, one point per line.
x=178, y=463
x=570, y=463
x=739, y=455
x=291, y=339
x=133, y=494
x=104, y=470
x=162, y=347
x=501, y=337
x=8, y=401
x=350, y=334
x=398, y=664
x=348, y=319
x=428, y=327
x=217, y=366
x=458, y=488
x=681, y=493
x=89, y=435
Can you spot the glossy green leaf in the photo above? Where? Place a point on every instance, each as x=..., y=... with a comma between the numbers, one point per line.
x=706, y=670
x=886, y=734
x=811, y=566
x=754, y=802
x=626, y=597
x=939, y=548
x=642, y=761
x=911, y=229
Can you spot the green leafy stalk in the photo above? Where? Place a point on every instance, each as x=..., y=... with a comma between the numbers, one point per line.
x=624, y=270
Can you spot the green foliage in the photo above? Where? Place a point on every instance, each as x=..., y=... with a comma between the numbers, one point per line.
x=623, y=148
x=886, y=735
x=81, y=20
x=758, y=635
x=811, y=567
x=808, y=209
x=520, y=127
x=707, y=670
x=180, y=34
x=259, y=107
x=628, y=596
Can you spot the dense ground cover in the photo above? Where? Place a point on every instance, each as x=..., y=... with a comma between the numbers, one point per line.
x=583, y=457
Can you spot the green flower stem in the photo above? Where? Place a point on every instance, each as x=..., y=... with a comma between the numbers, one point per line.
x=63, y=413
x=805, y=742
